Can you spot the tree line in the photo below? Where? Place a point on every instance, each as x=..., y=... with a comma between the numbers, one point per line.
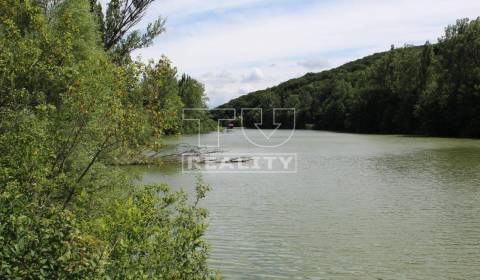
x=73, y=103
x=430, y=90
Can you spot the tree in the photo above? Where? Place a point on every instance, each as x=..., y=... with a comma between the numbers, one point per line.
x=116, y=26
x=192, y=92
x=161, y=98
x=66, y=113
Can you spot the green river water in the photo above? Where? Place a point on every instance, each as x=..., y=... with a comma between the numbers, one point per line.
x=358, y=207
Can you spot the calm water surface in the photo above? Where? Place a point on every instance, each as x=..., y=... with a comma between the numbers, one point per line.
x=360, y=207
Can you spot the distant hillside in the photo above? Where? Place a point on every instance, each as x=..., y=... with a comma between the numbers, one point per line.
x=430, y=89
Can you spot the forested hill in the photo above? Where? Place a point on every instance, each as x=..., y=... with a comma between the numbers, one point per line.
x=430, y=89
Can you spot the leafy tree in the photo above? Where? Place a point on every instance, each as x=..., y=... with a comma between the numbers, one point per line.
x=161, y=97
x=192, y=92
x=116, y=26
x=66, y=113
x=194, y=101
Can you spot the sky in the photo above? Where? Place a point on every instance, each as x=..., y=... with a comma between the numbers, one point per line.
x=237, y=46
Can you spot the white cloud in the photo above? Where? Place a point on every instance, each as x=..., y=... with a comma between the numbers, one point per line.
x=314, y=64
x=255, y=76
x=190, y=7
x=288, y=44
x=223, y=77
x=225, y=85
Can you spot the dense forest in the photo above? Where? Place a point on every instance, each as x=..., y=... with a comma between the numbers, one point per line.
x=73, y=103
x=431, y=90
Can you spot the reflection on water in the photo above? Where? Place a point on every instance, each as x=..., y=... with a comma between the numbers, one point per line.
x=360, y=207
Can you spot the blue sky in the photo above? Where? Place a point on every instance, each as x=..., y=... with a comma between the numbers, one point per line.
x=237, y=46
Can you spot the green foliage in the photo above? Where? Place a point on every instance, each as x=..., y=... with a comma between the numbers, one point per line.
x=193, y=96
x=121, y=16
x=42, y=242
x=450, y=104
x=153, y=233
x=66, y=112
x=432, y=90
x=161, y=96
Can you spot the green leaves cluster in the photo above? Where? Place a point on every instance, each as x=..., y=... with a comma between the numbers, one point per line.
x=117, y=23
x=431, y=89
x=67, y=111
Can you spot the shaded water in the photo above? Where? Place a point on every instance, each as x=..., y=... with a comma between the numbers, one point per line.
x=359, y=207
